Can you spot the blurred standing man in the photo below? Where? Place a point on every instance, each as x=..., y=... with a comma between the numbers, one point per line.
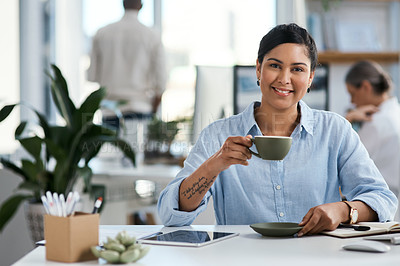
x=128, y=59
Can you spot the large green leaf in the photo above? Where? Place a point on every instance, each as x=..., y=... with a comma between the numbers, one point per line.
x=31, y=169
x=62, y=136
x=9, y=207
x=31, y=186
x=60, y=95
x=20, y=129
x=59, y=153
x=90, y=149
x=44, y=124
x=86, y=174
x=14, y=168
x=126, y=148
x=62, y=176
x=32, y=145
x=5, y=111
x=91, y=104
x=92, y=140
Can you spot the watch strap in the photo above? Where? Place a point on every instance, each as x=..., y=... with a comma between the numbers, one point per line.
x=351, y=212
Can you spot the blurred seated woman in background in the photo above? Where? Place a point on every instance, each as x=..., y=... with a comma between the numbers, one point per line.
x=378, y=115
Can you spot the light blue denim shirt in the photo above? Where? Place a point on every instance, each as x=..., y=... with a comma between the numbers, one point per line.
x=326, y=153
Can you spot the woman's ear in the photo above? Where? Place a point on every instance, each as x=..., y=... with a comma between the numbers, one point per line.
x=366, y=86
x=258, y=69
x=310, y=80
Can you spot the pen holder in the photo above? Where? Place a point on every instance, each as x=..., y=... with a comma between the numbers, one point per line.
x=68, y=239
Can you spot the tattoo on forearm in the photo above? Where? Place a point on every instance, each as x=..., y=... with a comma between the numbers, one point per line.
x=203, y=184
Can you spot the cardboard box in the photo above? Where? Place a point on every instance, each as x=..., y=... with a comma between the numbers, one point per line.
x=68, y=239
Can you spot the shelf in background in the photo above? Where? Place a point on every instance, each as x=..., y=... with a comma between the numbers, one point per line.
x=340, y=57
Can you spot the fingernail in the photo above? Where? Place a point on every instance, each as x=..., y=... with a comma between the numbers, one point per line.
x=300, y=234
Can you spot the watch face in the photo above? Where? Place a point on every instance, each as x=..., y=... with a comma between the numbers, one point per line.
x=354, y=216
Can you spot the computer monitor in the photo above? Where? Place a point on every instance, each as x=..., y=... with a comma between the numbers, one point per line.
x=245, y=87
x=213, y=96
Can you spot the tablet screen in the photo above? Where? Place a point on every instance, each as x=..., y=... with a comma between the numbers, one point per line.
x=187, y=238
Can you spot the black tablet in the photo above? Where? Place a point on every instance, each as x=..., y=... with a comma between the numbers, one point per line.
x=191, y=238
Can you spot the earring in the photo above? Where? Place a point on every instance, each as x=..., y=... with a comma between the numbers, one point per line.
x=308, y=90
x=258, y=82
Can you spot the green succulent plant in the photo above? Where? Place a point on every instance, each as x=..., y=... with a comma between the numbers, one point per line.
x=58, y=154
x=121, y=249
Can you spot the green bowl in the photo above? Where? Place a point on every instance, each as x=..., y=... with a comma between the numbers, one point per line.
x=276, y=229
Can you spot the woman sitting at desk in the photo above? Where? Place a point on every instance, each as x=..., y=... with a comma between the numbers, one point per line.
x=304, y=187
x=379, y=115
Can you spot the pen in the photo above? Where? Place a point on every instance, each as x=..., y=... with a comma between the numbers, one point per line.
x=62, y=202
x=97, y=204
x=45, y=204
x=355, y=227
x=75, y=199
x=68, y=203
x=51, y=203
x=57, y=204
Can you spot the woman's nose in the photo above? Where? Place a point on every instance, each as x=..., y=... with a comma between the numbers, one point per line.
x=284, y=77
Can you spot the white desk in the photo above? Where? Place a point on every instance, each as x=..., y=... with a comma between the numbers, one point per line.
x=249, y=248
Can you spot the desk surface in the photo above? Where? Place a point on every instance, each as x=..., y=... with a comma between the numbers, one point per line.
x=159, y=171
x=249, y=248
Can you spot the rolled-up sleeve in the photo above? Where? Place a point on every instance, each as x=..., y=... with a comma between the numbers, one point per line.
x=361, y=179
x=168, y=202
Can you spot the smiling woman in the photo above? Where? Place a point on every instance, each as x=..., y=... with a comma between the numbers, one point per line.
x=325, y=154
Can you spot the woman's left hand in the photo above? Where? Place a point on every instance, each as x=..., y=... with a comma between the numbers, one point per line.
x=324, y=217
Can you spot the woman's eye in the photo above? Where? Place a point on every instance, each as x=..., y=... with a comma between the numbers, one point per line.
x=298, y=69
x=274, y=65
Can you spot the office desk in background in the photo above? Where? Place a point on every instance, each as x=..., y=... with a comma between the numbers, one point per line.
x=124, y=183
x=249, y=248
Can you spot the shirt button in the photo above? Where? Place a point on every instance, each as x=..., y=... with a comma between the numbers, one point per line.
x=278, y=187
x=281, y=214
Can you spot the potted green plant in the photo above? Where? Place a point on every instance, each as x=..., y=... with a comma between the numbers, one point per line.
x=160, y=136
x=58, y=154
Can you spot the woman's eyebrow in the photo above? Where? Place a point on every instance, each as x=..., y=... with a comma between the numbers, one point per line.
x=279, y=61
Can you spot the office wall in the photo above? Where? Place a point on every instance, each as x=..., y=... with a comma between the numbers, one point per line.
x=9, y=70
x=15, y=241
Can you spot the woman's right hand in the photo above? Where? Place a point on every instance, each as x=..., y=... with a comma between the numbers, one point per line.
x=362, y=113
x=235, y=150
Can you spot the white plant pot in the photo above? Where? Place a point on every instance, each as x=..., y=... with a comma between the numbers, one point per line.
x=34, y=213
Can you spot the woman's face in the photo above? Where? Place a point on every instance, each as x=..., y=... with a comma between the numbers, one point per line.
x=285, y=74
x=359, y=96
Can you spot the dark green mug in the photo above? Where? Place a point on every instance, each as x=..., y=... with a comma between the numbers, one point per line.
x=272, y=147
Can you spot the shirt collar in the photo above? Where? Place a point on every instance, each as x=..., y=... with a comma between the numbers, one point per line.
x=389, y=103
x=249, y=122
x=250, y=125
x=307, y=118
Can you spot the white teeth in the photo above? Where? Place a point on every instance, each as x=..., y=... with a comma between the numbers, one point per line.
x=281, y=91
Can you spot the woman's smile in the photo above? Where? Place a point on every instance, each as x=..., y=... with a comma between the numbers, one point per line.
x=282, y=92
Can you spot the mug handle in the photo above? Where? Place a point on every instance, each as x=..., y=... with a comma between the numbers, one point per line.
x=252, y=152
